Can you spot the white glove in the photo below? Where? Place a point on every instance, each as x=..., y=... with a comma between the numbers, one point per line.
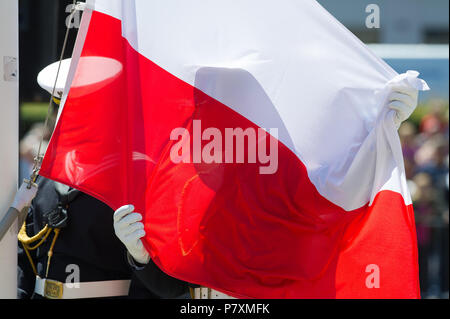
x=24, y=196
x=130, y=230
x=403, y=99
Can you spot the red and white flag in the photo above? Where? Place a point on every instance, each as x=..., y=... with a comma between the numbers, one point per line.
x=255, y=138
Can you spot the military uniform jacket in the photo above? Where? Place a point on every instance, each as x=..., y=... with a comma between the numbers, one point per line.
x=87, y=243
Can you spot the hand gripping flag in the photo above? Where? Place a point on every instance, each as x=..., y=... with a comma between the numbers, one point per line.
x=253, y=136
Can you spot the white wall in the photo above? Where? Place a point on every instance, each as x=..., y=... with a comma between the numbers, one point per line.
x=9, y=128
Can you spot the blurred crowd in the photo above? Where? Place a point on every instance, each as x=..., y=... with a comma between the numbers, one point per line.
x=426, y=154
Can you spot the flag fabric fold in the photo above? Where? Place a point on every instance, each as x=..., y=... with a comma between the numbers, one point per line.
x=255, y=139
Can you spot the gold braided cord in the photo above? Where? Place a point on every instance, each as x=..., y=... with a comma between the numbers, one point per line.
x=50, y=251
x=30, y=259
x=41, y=237
x=24, y=239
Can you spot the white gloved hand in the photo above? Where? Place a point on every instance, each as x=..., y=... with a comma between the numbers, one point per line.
x=24, y=196
x=403, y=100
x=130, y=230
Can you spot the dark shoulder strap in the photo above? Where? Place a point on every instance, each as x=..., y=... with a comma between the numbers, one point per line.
x=66, y=193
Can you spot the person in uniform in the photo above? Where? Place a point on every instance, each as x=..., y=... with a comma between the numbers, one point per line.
x=129, y=228
x=67, y=245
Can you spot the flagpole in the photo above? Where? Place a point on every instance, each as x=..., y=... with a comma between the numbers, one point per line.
x=9, y=139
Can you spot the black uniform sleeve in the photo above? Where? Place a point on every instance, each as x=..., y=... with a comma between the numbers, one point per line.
x=25, y=275
x=158, y=282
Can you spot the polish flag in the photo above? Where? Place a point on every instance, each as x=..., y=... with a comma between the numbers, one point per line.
x=317, y=206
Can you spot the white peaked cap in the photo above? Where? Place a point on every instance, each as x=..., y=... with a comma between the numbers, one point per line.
x=46, y=78
x=94, y=72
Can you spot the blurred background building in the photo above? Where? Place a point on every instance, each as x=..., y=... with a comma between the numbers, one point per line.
x=401, y=21
x=412, y=34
